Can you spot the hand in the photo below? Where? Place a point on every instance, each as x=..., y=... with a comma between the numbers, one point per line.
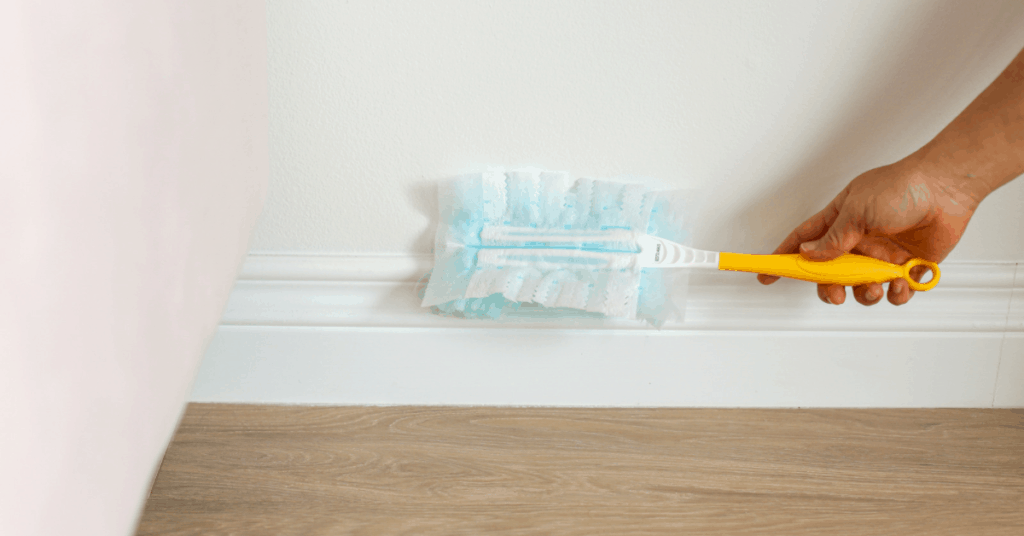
x=892, y=213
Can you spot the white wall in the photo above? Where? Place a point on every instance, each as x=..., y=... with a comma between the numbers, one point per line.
x=133, y=162
x=771, y=107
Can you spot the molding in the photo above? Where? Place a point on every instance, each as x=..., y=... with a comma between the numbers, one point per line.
x=379, y=291
x=608, y=368
x=348, y=330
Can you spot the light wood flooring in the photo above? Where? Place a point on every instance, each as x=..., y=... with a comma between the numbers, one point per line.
x=235, y=469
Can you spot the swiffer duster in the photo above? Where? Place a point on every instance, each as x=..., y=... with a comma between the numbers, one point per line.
x=508, y=238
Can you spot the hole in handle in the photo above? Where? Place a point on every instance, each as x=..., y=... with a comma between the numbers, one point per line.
x=925, y=284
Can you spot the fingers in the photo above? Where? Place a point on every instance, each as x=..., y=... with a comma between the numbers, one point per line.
x=899, y=292
x=843, y=235
x=882, y=248
x=812, y=229
x=833, y=294
x=868, y=294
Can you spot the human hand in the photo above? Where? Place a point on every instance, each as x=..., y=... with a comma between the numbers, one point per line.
x=891, y=213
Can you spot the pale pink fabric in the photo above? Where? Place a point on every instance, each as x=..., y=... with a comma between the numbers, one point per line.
x=133, y=163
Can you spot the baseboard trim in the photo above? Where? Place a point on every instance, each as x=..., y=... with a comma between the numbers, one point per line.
x=379, y=291
x=348, y=330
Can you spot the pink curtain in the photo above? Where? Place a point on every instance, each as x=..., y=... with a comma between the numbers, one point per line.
x=133, y=165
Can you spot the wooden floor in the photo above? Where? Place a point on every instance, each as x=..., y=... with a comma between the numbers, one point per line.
x=415, y=470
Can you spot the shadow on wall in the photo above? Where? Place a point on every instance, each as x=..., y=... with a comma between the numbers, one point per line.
x=422, y=197
x=911, y=74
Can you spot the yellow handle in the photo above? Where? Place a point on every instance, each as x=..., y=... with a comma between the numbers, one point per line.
x=847, y=270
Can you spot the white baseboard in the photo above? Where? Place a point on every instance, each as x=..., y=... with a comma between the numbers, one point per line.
x=349, y=330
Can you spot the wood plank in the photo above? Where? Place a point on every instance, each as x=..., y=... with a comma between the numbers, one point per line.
x=242, y=469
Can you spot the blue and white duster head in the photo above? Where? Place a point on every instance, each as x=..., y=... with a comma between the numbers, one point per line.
x=508, y=238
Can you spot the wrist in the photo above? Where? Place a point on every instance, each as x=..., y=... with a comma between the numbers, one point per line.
x=965, y=187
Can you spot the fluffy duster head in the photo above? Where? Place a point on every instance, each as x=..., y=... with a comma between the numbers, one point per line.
x=508, y=238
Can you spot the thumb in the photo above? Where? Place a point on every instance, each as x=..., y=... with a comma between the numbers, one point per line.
x=844, y=234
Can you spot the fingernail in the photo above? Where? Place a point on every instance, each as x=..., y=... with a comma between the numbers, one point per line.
x=874, y=294
x=809, y=246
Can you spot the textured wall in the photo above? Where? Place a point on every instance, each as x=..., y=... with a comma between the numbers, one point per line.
x=771, y=108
